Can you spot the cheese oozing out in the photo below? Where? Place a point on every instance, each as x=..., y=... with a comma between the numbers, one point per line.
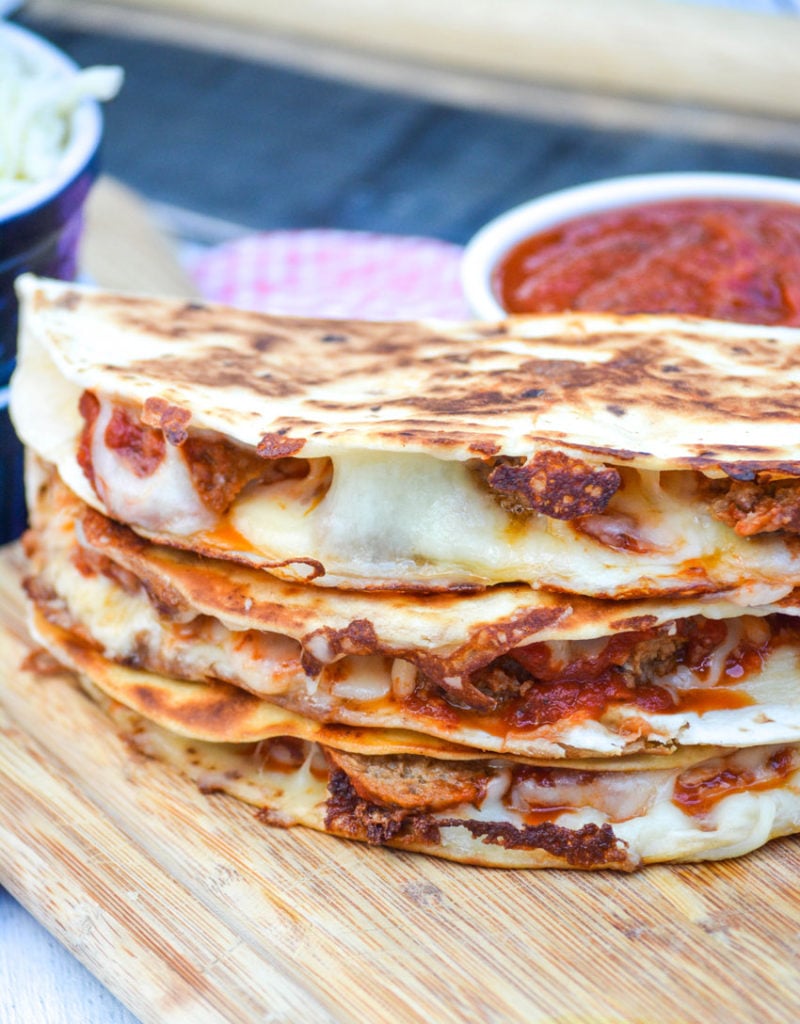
x=415, y=518
x=166, y=499
x=377, y=690
x=393, y=518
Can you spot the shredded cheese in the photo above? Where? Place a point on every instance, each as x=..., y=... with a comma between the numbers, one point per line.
x=37, y=101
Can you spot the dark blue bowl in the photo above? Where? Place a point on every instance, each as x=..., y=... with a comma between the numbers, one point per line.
x=12, y=488
x=39, y=232
x=44, y=241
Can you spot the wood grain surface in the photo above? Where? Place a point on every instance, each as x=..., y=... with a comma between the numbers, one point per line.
x=190, y=910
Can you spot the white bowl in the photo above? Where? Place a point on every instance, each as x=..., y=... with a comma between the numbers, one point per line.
x=487, y=248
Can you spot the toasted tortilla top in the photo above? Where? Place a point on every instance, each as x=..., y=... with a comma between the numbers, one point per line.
x=654, y=392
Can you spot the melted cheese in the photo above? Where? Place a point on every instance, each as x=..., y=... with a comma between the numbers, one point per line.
x=166, y=499
x=365, y=680
x=410, y=517
x=609, y=793
x=369, y=691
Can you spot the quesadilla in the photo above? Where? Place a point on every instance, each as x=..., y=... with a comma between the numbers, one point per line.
x=521, y=595
x=594, y=454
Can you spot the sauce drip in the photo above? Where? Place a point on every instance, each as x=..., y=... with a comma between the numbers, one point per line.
x=700, y=789
x=227, y=538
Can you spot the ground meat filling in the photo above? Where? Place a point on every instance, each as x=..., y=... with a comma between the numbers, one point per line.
x=531, y=687
x=751, y=507
x=219, y=469
x=348, y=813
x=413, y=783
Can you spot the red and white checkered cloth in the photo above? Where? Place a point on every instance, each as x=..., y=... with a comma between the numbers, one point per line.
x=335, y=274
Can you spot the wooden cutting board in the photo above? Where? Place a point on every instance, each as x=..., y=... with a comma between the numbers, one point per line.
x=190, y=910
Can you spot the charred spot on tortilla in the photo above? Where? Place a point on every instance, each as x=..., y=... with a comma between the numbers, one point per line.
x=554, y=485
x=276, y=446
x=484, y=449
x=171, y=419
x=591, y=846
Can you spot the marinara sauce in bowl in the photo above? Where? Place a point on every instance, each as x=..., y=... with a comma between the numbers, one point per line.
x=725, y=246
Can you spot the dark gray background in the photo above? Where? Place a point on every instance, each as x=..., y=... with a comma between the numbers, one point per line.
x=267, y=147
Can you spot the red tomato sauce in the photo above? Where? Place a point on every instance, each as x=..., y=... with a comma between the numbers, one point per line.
x=142, y=448
x=720, y=258
x=698, y=793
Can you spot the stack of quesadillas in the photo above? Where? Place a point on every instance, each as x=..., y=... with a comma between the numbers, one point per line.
x=518, y=594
